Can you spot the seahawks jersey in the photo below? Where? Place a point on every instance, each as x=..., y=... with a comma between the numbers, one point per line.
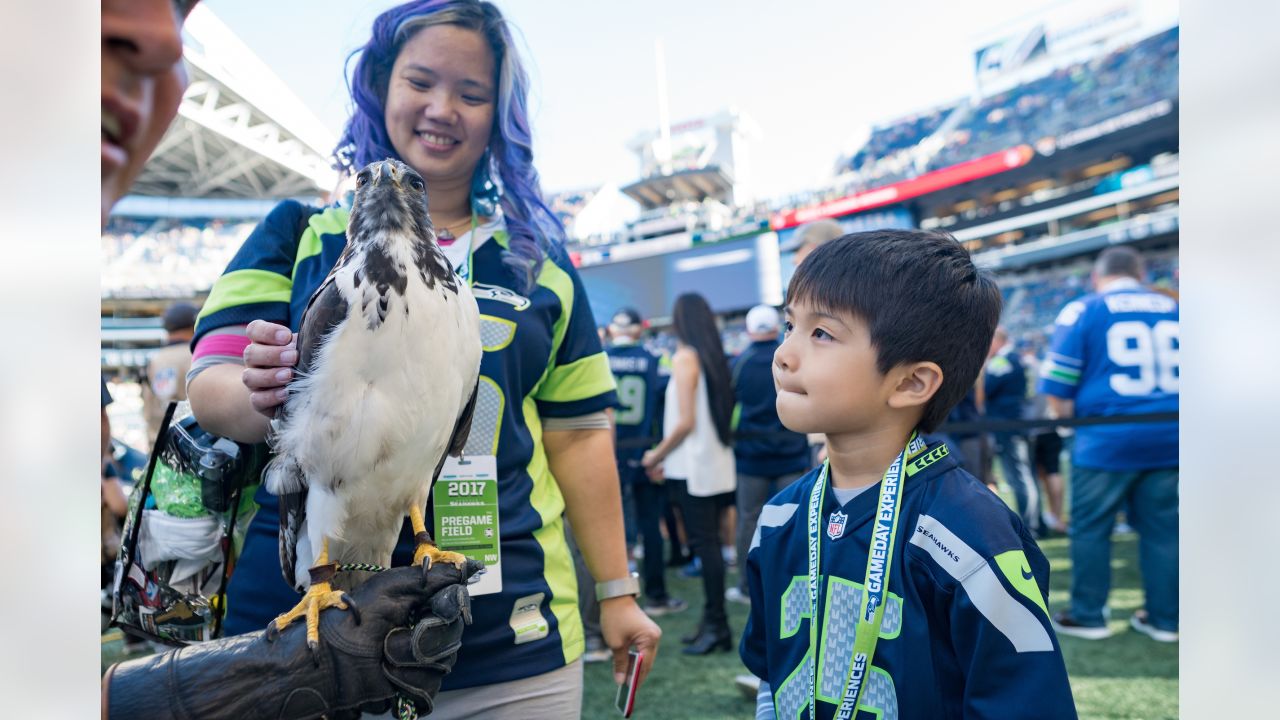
x=965, y=631
x=542, y=358
x=637, y=373
x=1117, y=353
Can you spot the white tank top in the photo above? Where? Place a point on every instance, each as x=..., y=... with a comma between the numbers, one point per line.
x=701, y=460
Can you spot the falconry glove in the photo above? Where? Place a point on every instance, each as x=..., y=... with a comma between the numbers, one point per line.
x=401, y=639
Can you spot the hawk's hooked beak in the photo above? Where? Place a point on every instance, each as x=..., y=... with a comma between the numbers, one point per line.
x=387, y=170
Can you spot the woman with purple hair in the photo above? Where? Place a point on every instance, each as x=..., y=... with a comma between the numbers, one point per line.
x=440, y=86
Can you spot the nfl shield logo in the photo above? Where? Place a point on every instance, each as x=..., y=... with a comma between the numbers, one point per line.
x=835, y=525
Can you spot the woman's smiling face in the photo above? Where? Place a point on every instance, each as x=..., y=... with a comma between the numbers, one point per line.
x=440, y=102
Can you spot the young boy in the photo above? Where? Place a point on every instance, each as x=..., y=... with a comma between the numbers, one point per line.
x=929, y=593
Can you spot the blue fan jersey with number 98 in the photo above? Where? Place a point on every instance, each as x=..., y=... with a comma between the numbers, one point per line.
x=1117, y=353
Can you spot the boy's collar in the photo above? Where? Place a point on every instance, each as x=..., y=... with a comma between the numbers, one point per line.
x=935, y=459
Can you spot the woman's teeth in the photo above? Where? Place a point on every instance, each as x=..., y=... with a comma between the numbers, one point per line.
x=437, y=139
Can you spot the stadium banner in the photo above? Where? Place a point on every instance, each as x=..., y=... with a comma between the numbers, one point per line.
x=958, y=174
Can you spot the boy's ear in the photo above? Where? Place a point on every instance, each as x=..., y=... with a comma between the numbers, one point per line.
x=915, y=384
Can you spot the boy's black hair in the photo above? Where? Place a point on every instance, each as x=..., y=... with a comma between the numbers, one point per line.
x=921, y=298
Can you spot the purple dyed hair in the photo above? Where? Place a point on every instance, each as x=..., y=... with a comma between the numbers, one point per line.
x=535, y=232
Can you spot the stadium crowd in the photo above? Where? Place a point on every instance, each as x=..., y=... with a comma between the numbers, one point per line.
x=167, y=257
x=1068, y=98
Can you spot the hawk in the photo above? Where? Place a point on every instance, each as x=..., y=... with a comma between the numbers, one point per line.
x=388, y=364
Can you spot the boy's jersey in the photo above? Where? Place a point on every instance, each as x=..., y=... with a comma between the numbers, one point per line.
x=542, y=358
x=965, y=631
x=638, y=376
x=1116, y=353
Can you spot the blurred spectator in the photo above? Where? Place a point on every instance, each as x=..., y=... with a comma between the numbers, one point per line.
x=166, y=378
x=1005, y=386
x=1046, y=455
x=1116, y=352
x=640, y=379
x=810, y=236
x=695, y=458
x=769, y=457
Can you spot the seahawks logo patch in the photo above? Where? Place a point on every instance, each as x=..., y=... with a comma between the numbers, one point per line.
x=501, y=294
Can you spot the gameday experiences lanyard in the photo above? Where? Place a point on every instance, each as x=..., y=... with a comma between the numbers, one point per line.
x=874, y=585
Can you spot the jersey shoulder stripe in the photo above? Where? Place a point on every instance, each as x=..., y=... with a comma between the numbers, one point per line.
x=982, y=585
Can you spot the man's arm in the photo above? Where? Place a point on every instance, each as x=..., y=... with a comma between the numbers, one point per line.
x=582, y=462
x=1060, y=408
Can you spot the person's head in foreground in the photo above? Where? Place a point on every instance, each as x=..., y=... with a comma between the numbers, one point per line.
x=440, y=87
x=885, y=330
x=142, y=84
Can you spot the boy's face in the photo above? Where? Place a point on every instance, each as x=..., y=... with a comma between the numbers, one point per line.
x=826, y=375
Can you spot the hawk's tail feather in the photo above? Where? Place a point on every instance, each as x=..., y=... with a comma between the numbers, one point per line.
x=283, y=475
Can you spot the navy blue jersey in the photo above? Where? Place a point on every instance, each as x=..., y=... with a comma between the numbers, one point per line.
x=1005, y=384
x=637, y=373
x=783, y=451
x=1117, y=353
x=542, y=358
x=965, y=632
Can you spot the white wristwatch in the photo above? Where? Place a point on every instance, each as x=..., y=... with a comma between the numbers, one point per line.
x=629, y=585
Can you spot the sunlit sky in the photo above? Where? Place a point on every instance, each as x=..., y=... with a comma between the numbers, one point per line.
x=814, y=75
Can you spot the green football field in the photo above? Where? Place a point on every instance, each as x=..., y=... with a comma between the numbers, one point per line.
x=1126, y=676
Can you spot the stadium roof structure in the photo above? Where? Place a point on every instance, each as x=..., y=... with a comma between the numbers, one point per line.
x=693, y=184
x=240, y=132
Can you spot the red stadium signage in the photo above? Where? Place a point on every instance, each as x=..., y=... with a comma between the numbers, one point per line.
x=961, y=173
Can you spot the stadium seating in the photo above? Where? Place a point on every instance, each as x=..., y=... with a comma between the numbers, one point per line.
x=901, y=135
x=1069, y=98
x=167, y=258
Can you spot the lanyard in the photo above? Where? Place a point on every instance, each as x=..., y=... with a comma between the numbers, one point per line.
x=455, y=256
x=874, y=586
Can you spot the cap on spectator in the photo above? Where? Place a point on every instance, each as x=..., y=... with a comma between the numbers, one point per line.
x=625, y=320
x=762, y=319
x=180, y=316
x=814, y=233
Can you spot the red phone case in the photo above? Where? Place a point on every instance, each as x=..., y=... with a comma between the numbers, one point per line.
x=630, y=705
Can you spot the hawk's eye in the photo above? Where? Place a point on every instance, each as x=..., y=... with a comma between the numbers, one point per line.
x=362, y=178
x=416, y=182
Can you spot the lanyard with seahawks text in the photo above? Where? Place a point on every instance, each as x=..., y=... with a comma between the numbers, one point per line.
x=874, y=585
